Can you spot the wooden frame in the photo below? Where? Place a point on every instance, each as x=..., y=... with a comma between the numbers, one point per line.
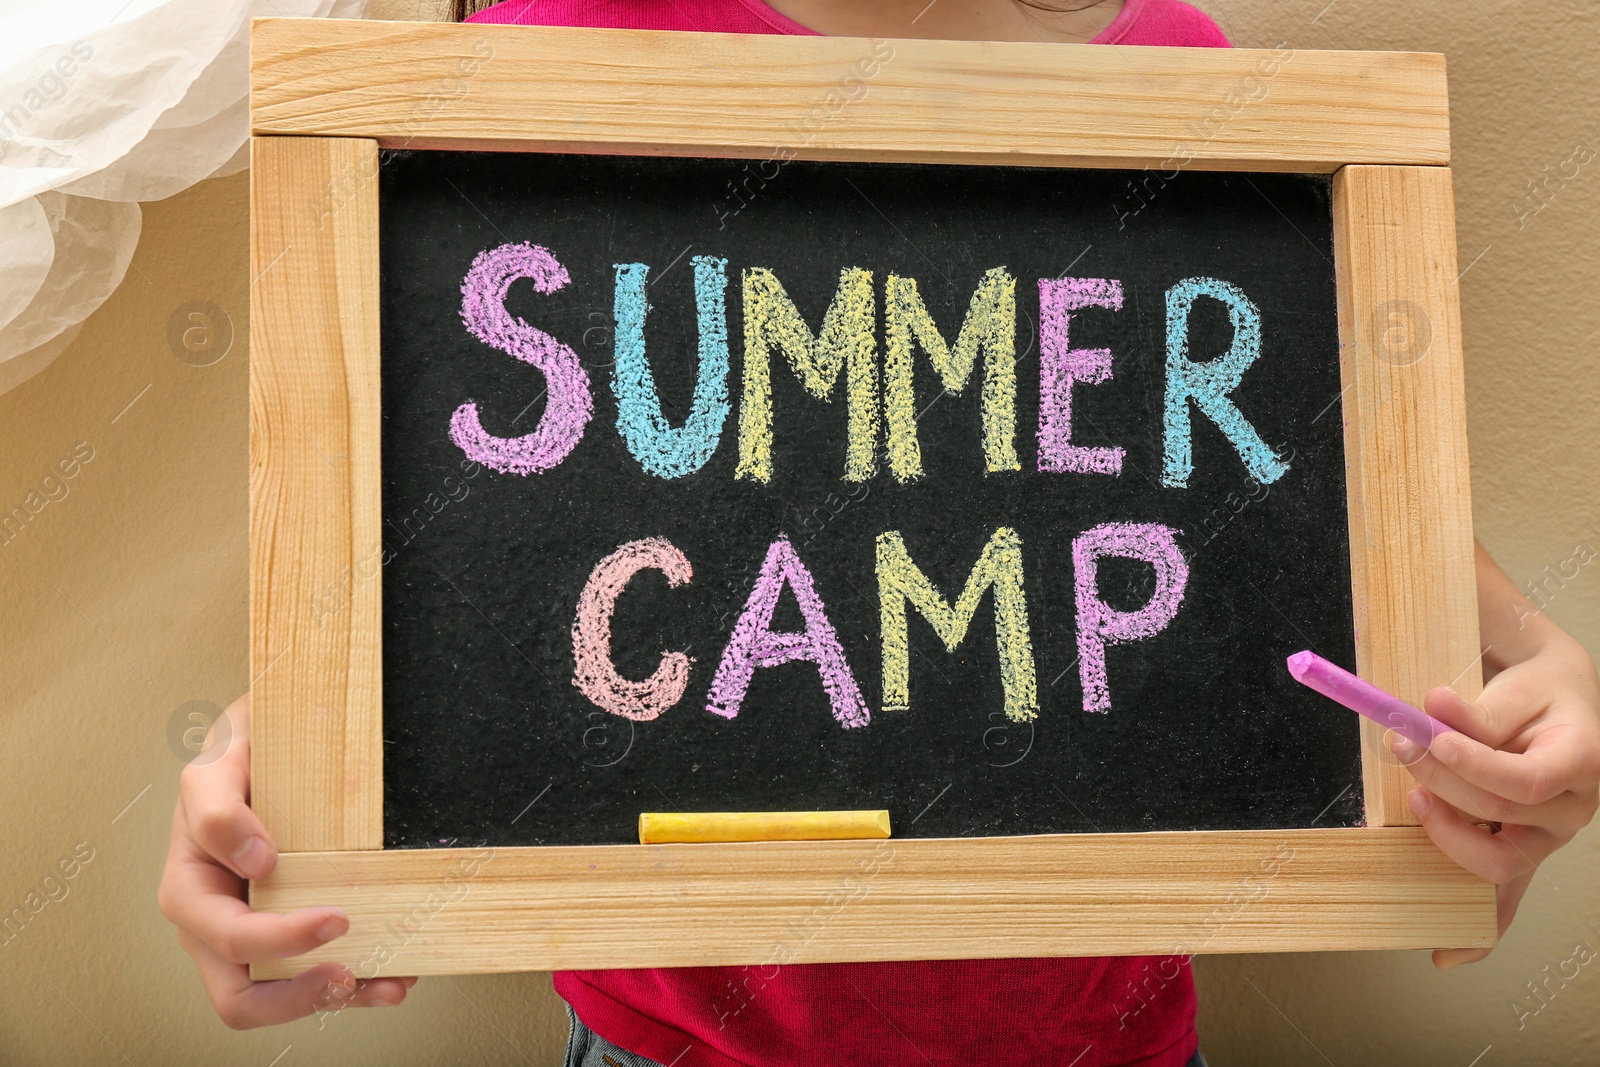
x=326, y=95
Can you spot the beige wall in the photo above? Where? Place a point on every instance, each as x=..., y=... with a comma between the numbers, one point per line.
x=1523, y=84
x=127, y=598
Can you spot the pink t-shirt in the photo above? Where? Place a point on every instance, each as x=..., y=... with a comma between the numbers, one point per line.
x=1101, y=1012
x=1140, y=21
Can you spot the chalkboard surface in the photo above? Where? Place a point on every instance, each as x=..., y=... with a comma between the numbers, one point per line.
x=491, y=734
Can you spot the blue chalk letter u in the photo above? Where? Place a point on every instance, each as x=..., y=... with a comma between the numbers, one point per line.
x=659, y=448
x=1208, y=384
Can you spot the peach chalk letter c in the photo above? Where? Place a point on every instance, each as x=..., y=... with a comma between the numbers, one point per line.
x=595, y=675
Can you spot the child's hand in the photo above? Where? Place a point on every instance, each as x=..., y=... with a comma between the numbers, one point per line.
x=1527, y=756
x=217, y=842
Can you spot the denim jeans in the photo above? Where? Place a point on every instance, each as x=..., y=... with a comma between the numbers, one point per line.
x=585, y=1048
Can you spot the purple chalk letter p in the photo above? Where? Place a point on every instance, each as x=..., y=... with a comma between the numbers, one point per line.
x=1100, y=624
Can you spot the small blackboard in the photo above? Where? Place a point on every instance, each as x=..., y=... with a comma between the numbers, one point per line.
x=756, y=430
x=1215, y=531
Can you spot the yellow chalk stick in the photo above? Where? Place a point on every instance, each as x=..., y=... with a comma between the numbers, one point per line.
x=665, y=827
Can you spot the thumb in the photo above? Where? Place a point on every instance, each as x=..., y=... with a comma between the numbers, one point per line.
x=1480, y=720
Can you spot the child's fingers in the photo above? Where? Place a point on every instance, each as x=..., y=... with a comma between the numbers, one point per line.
x=1446, y=958
x=1550, y=766
x=1510, y=701
x=1556, y=760
x=212, y=796
x=382, y=992
x=327, y=987
x=1499, y=857
x=238, y=935
x=1503, y=707
x=244, y=1005
x=1564, y=815
x=203, y=900
x=1507, y=897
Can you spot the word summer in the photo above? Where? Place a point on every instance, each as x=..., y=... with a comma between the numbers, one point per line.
x=846, y=346
x=881, y=426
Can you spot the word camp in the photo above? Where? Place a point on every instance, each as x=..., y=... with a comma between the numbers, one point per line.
x=880, y=410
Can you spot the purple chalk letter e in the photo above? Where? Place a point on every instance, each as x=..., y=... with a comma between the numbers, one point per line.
x=1060, y=366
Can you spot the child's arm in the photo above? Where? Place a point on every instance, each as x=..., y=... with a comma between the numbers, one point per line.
x=217, y=842
x=1535, y=765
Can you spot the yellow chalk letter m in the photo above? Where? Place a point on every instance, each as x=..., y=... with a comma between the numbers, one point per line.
x=901, y=581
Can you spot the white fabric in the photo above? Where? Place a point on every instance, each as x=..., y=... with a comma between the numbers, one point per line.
x=30, y=248
x=104, y=103
x=93, y=242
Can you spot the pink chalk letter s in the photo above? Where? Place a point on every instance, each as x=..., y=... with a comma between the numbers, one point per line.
x=568, y=404
x=1099, y=624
